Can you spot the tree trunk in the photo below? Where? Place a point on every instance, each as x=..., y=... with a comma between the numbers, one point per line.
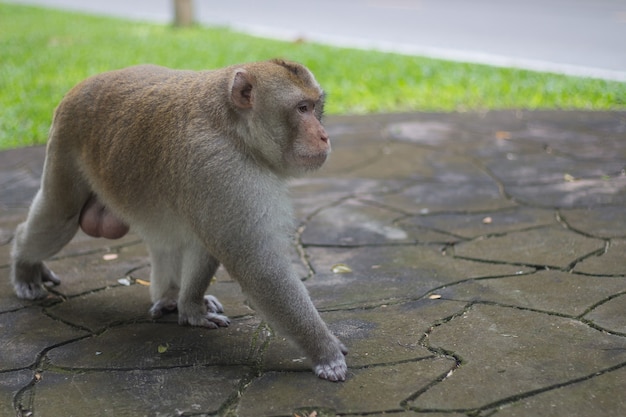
x=183, y=13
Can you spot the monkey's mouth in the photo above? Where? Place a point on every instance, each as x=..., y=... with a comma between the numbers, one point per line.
x=311, y=161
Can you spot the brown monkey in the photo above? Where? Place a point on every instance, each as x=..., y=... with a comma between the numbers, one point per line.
x=195, y=163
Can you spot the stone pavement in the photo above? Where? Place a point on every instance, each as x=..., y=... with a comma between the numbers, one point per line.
x=474, y=265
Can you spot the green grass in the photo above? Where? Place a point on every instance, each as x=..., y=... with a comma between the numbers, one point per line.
x=43, y=53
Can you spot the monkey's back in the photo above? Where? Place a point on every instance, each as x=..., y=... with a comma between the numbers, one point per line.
x=149, y=137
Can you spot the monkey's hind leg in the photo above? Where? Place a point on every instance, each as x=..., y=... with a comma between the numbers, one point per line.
x=164, y=279
x=52, y=222
x=179, y=278
x=194, y=307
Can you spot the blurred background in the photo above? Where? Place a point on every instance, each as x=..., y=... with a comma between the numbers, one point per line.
x=576, y=37
x=371, y=56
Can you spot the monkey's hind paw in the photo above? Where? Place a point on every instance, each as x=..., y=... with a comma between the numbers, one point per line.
x=208, y=320
x=30, y=290
x=30, y=281
x=334, y=371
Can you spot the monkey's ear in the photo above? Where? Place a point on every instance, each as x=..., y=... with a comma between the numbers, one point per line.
x=241, y=91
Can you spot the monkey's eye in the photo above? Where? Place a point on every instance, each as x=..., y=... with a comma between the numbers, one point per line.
x=304, y=107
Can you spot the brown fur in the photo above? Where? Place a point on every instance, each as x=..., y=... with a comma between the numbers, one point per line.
x=195, y=163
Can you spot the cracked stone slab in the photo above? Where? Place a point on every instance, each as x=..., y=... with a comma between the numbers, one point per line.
x=159, y=345
x=389, y=273
x=431, y=197
x=572, y=194
x=83, y=244
x=312, y=194
x=26, y=333
x=612, y=262
x=355, y=223
x=93, y=271
x=375, y=389
x=100, y=310
x=610, y=315
x=8, y=299
x=595, y=396
x=603, y=222
x=552, y=291
x=395, y=161
x=507, y=352
x=548, y=168
x=159, y=392
x=10, y=384
x=373, y=336
x=552, y=246
x=470, y=226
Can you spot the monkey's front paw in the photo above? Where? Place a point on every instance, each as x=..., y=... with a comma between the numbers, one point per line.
x=162, y=306
x=335, y=370
x=213, y=305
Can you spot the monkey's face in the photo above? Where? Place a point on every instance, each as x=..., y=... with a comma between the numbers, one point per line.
x=310, y=147
x=283, y=106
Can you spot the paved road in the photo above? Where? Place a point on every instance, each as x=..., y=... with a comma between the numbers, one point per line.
x=488, y=279
x=579, y=37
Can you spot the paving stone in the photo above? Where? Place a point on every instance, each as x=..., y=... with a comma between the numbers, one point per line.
x=612, y=262
x=590, y=140
x=84, y=244
x=388, y=334
x=9, y=219
x=397, y=161
x=312, y=194
x=93, y=272
x=600, y=396
x=402, y=201
x=571, y=194
x=551, y=246
x=373, y=336
x=417, y=414
x=610, y=315
x=548, y=168
x=18, y=188
x=389, y=273
x=507, y=352
x=10, y=384
x=26, y=333
x=355, y=223
x=137, y=347
x=553, y=291
x=8, y=299
x=376, y=389
x=159, y=392
x=432, y=197
x=471, y=226
x=102, y=309
x=603, y=222
x=431, y=132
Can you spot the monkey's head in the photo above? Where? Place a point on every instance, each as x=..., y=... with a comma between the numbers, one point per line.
x=280, y=106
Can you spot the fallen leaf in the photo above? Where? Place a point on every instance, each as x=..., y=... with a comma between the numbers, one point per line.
x=341, y=269
x=569, y=178
x=163, y=348
x=503, y=135
x=142, y=282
